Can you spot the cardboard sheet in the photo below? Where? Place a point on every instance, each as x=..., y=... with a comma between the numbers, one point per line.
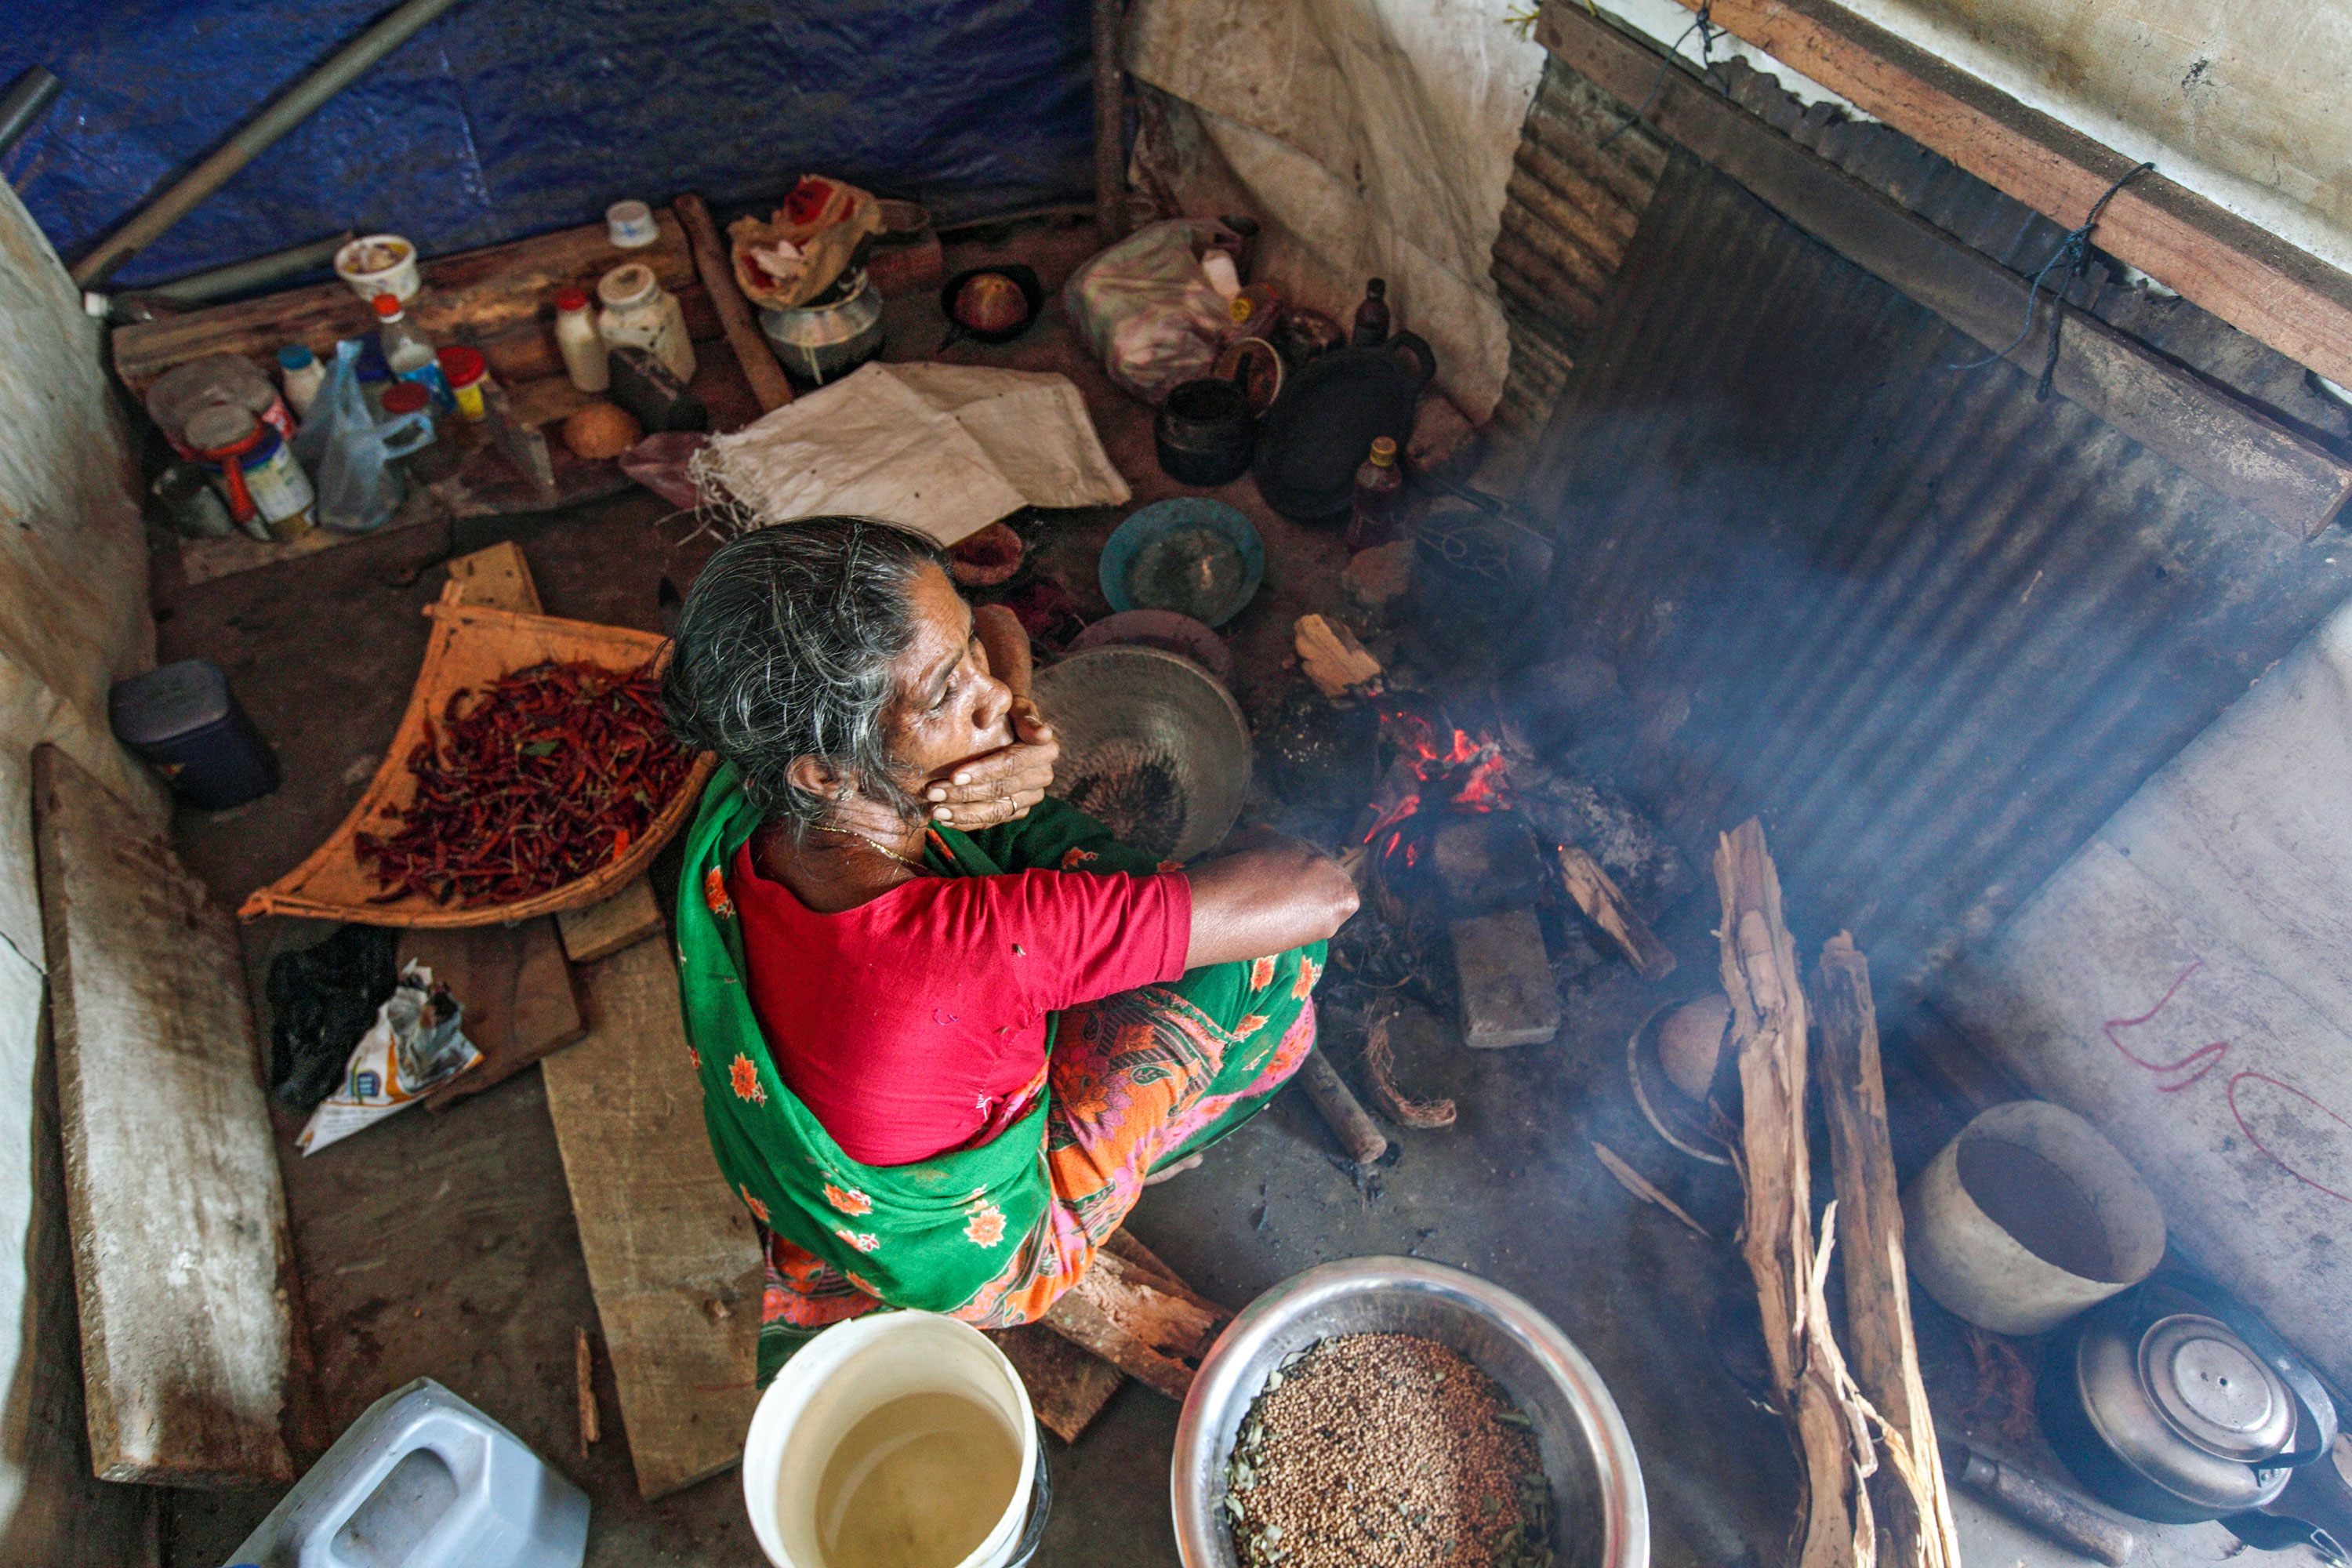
x=944, y=449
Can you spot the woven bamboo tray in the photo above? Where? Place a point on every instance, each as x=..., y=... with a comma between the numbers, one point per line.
x=472, y=646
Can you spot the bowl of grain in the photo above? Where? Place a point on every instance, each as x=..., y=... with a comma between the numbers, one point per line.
x=1391, y=1412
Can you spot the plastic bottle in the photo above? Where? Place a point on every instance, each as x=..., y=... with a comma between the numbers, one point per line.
x=300, y=373
x=578, y=341
x=1372, y=316
x=408, y=352
x=1379, y=490
x=269, y=494
x=640, y=313
x=468, y=376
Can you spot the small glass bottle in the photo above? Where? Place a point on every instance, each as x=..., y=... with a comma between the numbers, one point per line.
x=1372, y=316
x=1380, y=488
x=299, y=371
x=577, y=340
x=408, y=351
x=640, y=313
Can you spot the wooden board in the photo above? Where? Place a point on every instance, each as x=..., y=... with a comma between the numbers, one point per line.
x=499, y=577
x=173, y=1194
x=1068, y=1385
x=501, y=298
x=602, y=929
x=1142, y=1321
x=671, y=1253
x=516, y=991
x=2251, y=278
x=2194, y=424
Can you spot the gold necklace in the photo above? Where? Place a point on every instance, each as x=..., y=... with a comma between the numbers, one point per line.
x=914, y=865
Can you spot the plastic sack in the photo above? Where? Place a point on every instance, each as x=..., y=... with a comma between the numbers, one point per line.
x=415, y=1046
x=793, y=257
x=344, y=450
x=1145, y=308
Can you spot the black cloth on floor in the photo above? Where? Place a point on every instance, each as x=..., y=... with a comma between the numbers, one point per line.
x=322, y=999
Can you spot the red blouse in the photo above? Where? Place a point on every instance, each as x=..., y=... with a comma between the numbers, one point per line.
x=916, y=1024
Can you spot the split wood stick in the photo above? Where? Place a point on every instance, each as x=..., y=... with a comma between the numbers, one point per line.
x=1340, y=1110
x=1809, y=1376
x=1122, y=1314
x=1878, y=1283
x=1596, y=894
x=1332, y=658
x=583, y=1361
x=1641, y=1187
x=751, y=351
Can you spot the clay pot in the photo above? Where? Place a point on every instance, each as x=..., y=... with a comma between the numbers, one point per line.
x=987, y=558
x=1205, y=432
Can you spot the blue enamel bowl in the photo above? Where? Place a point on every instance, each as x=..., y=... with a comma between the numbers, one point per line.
x=1162, y=538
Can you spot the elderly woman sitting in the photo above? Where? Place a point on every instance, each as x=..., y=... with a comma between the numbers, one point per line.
x=946, y=1027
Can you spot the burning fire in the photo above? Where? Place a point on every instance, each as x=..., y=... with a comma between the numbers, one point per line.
x=1466, y=775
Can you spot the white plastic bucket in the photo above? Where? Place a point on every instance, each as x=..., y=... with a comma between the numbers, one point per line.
x=843, y=1375
x=399, y=278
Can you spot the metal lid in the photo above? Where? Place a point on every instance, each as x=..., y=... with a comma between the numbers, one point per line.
x=218, y=425
x=2214, y=1390
x=631, y=285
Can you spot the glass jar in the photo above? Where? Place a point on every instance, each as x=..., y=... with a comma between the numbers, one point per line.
x=639, y=313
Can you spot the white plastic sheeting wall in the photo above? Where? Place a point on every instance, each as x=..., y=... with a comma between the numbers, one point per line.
x=73, y=618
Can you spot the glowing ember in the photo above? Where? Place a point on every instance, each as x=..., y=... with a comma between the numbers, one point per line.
x=1465, y=775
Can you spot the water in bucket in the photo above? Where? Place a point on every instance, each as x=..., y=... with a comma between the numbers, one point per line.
x=900, y=1440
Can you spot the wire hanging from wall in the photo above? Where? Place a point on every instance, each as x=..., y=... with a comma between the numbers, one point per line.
x=2073, y=256
x=1704, y=25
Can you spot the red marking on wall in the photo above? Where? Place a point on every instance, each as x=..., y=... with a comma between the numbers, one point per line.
x=2208, y=1055
x=2255, y=1139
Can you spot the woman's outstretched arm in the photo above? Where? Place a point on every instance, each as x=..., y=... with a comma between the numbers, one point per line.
x=1265, y=900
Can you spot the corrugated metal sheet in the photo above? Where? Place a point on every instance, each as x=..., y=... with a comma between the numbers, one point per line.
x=1933, y=631
x=1575, y=198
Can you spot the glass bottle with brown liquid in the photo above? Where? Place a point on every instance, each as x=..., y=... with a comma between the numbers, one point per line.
x=1379, y=488
x=1371, y=316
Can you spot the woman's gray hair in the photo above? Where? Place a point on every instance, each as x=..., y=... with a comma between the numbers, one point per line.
x=783, y=650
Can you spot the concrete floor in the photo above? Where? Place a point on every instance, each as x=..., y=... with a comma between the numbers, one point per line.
x=443, y=1245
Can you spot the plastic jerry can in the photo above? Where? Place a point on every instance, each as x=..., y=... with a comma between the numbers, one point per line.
x=422, y=1479
x=184, y=718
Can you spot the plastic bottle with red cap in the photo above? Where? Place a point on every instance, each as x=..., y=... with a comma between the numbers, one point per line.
x=408, y=351
x=582, y=346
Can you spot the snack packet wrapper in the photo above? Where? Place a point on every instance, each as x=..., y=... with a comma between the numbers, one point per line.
x=415, y=1045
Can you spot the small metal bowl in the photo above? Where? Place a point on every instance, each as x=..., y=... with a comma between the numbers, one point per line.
x=1600, y=1516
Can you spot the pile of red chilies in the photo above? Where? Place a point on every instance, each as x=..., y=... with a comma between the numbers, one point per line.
x=550, y=774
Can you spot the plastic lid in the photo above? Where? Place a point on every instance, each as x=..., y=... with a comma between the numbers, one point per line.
x=404, y=397
x=629, y=285
x=1240, y=306
x=462, y=366
x=387, y=307
x=294, y=356
x=168, y=701
x=1383, y=450
x=217, y=426
x=571, y=298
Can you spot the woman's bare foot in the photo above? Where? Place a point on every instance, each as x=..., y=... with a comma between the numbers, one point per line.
x=1178, y=1169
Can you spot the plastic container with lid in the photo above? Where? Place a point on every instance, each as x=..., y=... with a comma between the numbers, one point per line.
x=299, y=371
x=631, y=225
x=215, y=381
x=468, y=377
x=578, y=341
x=380, y=264
x=416, y=445
x=184, y=721
x=269, y=494
x=640, y=313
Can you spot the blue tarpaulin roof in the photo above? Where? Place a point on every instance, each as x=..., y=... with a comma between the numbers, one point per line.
x=504, y=118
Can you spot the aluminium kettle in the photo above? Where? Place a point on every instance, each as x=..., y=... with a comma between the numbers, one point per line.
x=2177, y=1404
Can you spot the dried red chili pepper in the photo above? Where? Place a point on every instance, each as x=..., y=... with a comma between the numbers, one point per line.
x=546, y=775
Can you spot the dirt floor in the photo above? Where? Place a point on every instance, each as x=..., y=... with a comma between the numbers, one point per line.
x=443, y=1245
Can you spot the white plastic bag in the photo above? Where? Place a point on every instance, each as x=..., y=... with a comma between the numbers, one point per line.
x=343, y=449
x=415, y=1045
x=1146, y=309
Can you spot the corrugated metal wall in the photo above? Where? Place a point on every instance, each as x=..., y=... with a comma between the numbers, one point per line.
x=1933, y=631
x=1575, y=198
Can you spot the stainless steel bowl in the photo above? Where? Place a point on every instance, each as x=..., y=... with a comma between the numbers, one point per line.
x=1601, y=1518
x=1152, y=744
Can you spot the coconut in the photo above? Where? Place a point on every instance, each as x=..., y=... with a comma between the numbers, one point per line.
x=601, y=431
x=991, y=302
x=1690, y=1043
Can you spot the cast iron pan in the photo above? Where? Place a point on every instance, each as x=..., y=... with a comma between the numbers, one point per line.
x=1314, y=437
x=1024, y=278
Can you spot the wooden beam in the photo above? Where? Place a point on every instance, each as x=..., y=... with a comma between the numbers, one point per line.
x=1142, y=1321
x=2250, y=277
x=671, y=1255
x=1886, y=1352
x=2192, y=422
x=713, y=260
x=602, y=929
x=180, y=1243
